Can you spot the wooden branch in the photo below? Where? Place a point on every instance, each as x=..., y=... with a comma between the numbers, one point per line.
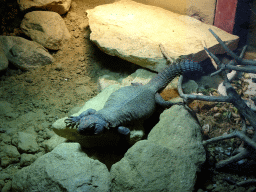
x=200, y=97
x=213, y=62
x=242, y=155
x=239, y=60
x=242, y=107
x=237, y=134
x=248, y=69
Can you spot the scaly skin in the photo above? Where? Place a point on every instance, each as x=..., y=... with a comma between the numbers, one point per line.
x=131, y=103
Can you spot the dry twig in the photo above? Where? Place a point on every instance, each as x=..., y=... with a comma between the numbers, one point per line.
x=249, y=149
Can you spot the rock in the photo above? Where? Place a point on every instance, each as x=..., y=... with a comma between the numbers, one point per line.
x=26, y=142
x=66, y=168
x=59, y=6
x=5, y=176
x=2, y=183
x=190, y=87
x=32, y=116
x=150, y=167
x=105, y=81
x=133, y=31
x=23, y=53
x=27, y=159
x=5, y=138
x=7, y=187
x=45, y=27
x=167, y=161
x=53, y=142
x=3, y=60
x=5, y=108
x=178, y=130
x=8, y=155
x=141, y=76
x=208, y=81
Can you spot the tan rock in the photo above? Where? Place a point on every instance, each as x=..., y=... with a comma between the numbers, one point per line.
x=133, y=31
x=46, y=28
x=3, y=60
x=59, y=6
x=23, y=53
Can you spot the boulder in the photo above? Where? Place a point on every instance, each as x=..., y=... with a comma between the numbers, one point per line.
x=59, y=6
x=3, y=60
x=26, y=142
x=8, y=155
x=66, y=168
x=133, y=31
x=23, y=53
x=167, y=161
x=27, y=159
x=179, y=130
x=45, y=27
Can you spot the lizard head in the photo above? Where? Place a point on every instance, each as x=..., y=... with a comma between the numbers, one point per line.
x=91, y=124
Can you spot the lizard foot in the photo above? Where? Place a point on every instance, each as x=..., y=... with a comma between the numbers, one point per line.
x=123, y=130
x=91, y=124
x=73, y=121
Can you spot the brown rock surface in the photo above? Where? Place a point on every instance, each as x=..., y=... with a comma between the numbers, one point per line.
x=133, y=31
x=59, y=6
x=45, y=27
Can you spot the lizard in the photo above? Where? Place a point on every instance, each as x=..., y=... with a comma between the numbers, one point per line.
x=131, y=103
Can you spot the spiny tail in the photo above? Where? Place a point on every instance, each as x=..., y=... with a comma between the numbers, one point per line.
x=163, y=78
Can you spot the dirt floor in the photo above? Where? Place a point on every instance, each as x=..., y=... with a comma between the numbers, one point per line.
x=50, y=92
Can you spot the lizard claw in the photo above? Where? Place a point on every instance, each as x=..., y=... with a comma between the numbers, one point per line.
x=71, y=121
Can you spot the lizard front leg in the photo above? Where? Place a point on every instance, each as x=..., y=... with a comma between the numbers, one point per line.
x=74, y=120
x=123, y=130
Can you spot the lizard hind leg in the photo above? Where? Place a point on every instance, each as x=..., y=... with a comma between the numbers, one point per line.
x=166, y=104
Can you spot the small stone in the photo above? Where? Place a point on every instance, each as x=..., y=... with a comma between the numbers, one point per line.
x=84, y=25
x=209, y=187
x=217, y=115
x=58, y=67
x=76, y=34
x=219, y=149
x=215, y=108
x=72, y=16
x=73, y=4
x=67, y=102
x=81, y=58
x=235, y=115
x=247, y=76
x=206, y=129
x=59, y=6
x=29, y=80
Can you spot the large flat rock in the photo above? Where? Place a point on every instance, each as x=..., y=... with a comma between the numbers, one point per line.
x=133, y=31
